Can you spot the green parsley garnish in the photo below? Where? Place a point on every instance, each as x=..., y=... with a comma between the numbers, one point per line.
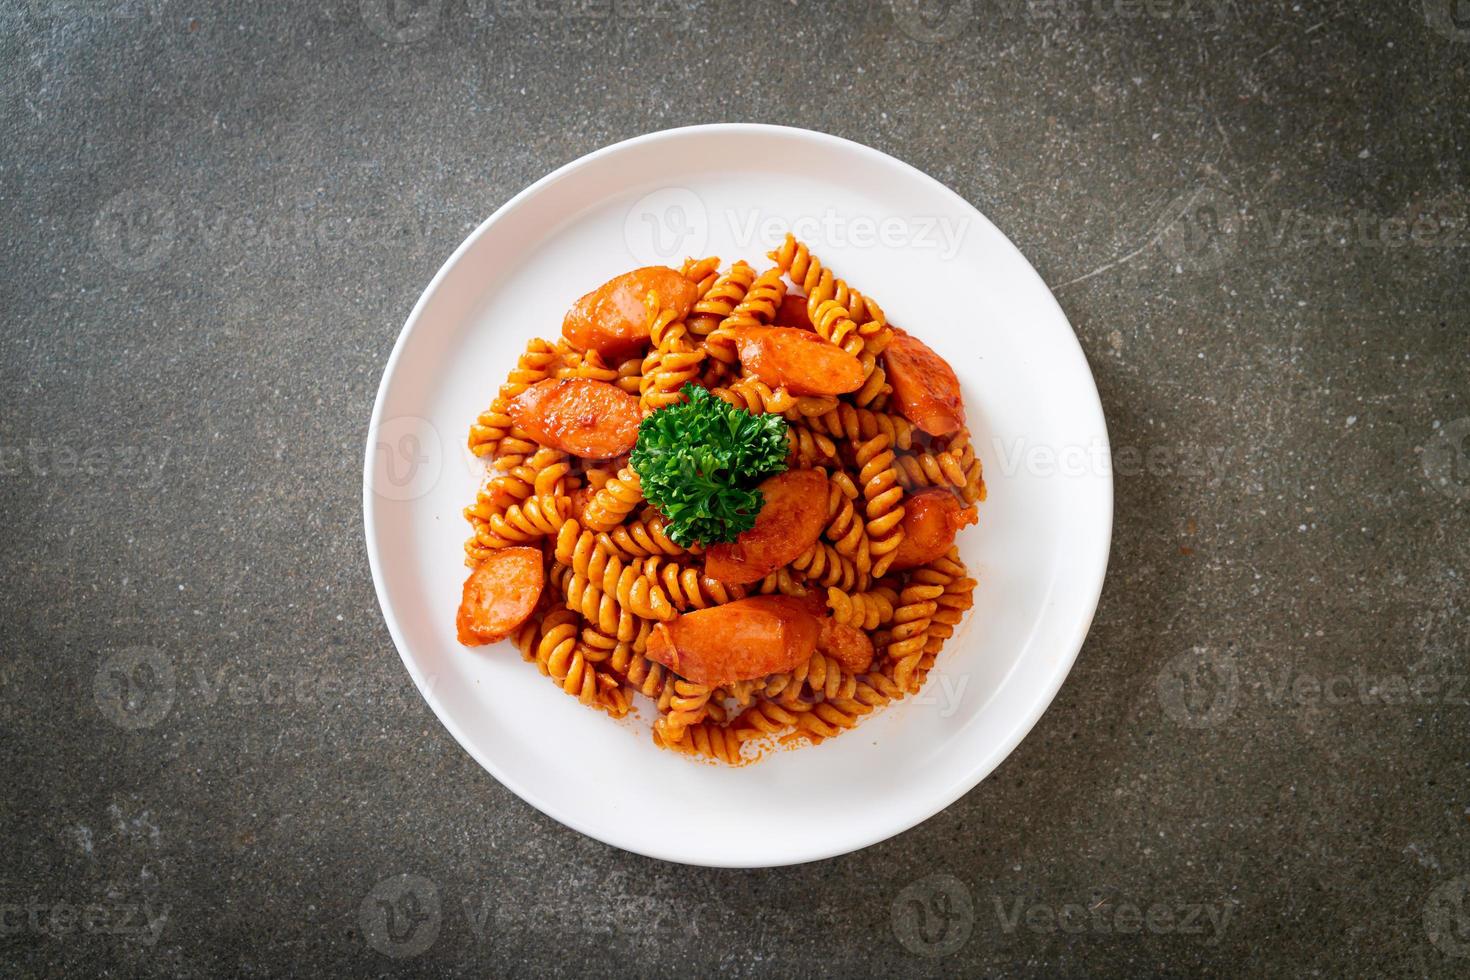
x=699, y=461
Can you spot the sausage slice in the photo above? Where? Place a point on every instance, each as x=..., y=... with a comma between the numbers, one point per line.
x=925, y=389
x=792, y=516
x=612, y=320
x=592, y=419
x=798, y=360
x=847, y=645
x=738, y=641
x=499, y=595
x=931, y=519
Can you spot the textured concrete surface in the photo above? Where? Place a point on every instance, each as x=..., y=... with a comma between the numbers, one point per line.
x=216, y=217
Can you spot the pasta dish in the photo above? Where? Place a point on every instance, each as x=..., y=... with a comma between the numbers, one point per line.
x=733, y=492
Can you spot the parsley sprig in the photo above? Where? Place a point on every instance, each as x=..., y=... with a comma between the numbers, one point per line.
x=699, y=461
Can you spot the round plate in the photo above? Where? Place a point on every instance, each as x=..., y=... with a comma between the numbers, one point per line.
x=941, y=271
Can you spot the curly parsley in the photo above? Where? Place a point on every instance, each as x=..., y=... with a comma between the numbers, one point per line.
x=699, y=461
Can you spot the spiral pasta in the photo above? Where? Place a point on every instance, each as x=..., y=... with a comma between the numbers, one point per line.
x=724, y=295
x=605, y=588
x=540, y=514
x=825, y=565
x=950, y=608
x=809, y=448
x=688, y=705
x=757, y=308
x=845, y=527
x=911, y=621
x=686, y=586
x=559, y=656
x=613, y=575
x=630, y=375
x=552, y=643
x=612, y=504
x=756, y=396
x=831, y=718
x=704, y=273
x=642, y=537
x=879, y=478
x=832, y=323
x=807, y=406
x=626, y=659
x=672, y=363
x=514, y=478
x=865, y=610
x=821, y=286
x=857, y=424
x=785, y=581
x=823, y=678
x=710, y=741
x=767, y=718
x=589, y=365
x=954, y=466
x=875, y=389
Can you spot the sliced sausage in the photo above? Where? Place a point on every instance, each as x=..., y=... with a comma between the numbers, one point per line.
x=612, y=319
x=925, y=389
x=931, y=518
x=847, y=645
x=798, y=360
x=793, y=312
x=792, y=516
x=586, y=418
x=738, y=641
x=499, y=595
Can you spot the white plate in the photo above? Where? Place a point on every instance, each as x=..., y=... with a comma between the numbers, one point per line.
x=942, y=271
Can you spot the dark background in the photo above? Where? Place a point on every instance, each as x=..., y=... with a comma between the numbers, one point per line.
x=216, y=217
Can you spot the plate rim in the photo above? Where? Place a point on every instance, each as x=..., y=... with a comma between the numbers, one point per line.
x=1095, y=565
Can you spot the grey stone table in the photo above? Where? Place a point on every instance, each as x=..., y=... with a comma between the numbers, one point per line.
x=216, y=217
